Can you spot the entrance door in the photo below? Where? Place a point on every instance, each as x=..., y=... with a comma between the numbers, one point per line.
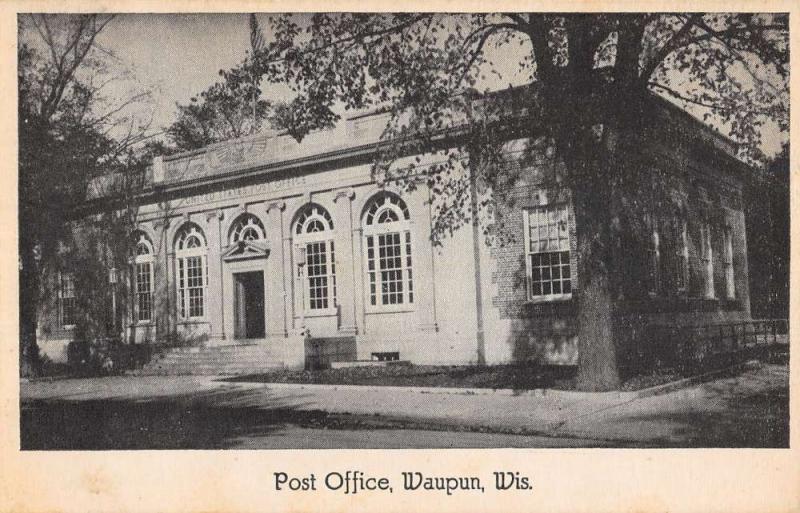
x=249, y=305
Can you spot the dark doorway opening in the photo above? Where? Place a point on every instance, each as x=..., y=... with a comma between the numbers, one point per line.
x=249, y=304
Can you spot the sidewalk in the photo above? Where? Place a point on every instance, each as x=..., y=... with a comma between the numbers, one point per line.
x=721, y=409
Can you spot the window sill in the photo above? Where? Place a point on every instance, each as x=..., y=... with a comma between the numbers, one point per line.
x=375, y=310
x=326, y=312
x=141, y=324
x=68, y=327
x=561, y=298
x=194, y=321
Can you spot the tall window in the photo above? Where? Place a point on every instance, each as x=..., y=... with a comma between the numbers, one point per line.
x=387, y=233
x=654, y=257
x=707, y=258
x=190, y=252
x=730, y=285
x=247, y=227
x=680, y=235
x=144, y=279
x=67, y=306
x=314, y=231
x=547, y=252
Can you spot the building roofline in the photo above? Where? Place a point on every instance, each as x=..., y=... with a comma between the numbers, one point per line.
x=712, y=138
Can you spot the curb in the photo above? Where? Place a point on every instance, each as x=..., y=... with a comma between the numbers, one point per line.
x=692, y=380
x=538, y=392
x=508, y=392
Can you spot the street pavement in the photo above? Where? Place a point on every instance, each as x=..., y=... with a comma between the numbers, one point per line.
x=749, y=409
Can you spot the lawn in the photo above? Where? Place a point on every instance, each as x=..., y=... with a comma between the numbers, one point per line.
x=516, y=377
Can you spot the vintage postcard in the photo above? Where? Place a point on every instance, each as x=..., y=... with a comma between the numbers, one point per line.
x=374, y=257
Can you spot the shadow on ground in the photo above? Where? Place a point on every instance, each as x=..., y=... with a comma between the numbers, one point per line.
x=746, y=413
x=747, y=410
x=202, y=421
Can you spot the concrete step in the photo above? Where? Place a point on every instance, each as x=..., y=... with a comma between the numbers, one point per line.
x=217, y=353
x=231, y=348
x=220, y=355
x=220, y=358
x=231, y=359
x=253, y=363
x=215, y=368
x=259, y=363
x=227, y=371
x=214, y=360
x=224, y=352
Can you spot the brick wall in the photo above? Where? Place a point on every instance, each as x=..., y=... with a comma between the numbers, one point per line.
x=541, y=330
x=689, y=190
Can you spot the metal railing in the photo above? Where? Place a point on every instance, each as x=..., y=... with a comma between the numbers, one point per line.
x=691, y=345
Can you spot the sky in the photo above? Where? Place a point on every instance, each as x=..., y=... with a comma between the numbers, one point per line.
x=177, y=56
x=180, y=55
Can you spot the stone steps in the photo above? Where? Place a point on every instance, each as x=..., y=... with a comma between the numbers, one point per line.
x=231, y=360
x=220, y=357
x=215, y=370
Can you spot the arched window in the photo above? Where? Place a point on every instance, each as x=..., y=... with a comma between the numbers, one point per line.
x=143, y=269
x=192, y=272
x=247, y=227
x=313, y=235
x=313, y=218
x=387, y=234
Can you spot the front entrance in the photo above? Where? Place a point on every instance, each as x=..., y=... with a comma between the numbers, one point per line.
x=248, y=305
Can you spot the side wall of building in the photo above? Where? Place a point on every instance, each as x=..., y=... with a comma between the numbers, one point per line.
x=678, y=185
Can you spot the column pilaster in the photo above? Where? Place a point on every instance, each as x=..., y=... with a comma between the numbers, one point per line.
x=162, y=298
x=345, y=261
x=215, y=293
x=276, y=270
x=422, y=261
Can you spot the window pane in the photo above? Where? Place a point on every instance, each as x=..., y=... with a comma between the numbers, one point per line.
x=143, y=292
x=191, y=283
x=548, y=249
x=68, y=303
x=318, y=277
x=391, y=267
x=371, y=270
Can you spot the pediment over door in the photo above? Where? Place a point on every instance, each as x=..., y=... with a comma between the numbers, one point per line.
x=245, y=250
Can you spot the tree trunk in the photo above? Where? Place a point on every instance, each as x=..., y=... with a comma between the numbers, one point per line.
x=29, y=362
x=598, y=362
x=598, y=367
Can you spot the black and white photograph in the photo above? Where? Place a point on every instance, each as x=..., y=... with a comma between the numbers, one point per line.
x=415, y=230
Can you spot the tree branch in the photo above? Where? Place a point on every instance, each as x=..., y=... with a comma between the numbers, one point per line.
x=700, y=103
x=355, y=37
x=538, y=32
x=670, y=46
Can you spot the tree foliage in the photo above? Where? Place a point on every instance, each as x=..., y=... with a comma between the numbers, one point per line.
x=226, y=110
x=69, y=133
x=231, y=108
x=592, y=77
x=768, y=238
x=588, y=70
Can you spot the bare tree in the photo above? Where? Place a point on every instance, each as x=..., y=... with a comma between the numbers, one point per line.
x=69, y=133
